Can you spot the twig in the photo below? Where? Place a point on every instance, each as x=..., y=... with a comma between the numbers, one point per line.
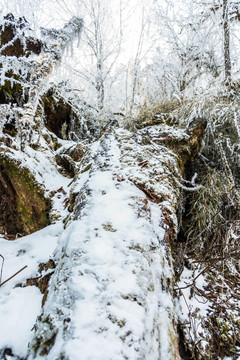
x=1, y=268
x=192, y=283
x=4, y=282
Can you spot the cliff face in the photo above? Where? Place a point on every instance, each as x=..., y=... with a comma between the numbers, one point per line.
x=127, y=273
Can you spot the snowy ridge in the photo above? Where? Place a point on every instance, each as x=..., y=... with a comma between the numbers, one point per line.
x=110, y=297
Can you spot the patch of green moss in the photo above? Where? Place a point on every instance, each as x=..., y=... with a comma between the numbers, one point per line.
x=225, y=335
x=181, y=164
x=27, y=208
x=9, y=29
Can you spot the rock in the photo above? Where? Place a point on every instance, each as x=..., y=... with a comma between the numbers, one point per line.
x=67, y=163
x=23, y=206
x=57, y=115
x=14, y=28
x=77, y=152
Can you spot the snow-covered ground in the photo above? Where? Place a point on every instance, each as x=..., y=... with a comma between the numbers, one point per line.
x=20, y=306
x=110, y=296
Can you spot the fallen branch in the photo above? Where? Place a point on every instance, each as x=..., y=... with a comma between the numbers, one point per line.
x=1, y=268
x=4, y=282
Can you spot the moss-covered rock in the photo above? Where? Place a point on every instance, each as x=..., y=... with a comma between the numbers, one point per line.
x=157, y=114
x=57, y=115
x=67, y=165
x=11, y=91
x=11, y=31
x=77, y=152
x=23, y=206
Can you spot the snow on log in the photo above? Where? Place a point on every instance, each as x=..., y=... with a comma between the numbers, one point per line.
x=111, y=294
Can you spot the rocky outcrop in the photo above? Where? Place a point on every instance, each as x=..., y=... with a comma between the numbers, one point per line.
x=23, y=206
x=14, y=38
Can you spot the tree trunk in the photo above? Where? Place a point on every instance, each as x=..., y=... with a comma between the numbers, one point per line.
x=100, y=85
x=226, y=33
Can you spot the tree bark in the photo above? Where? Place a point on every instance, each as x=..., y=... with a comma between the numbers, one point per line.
x=226, y=33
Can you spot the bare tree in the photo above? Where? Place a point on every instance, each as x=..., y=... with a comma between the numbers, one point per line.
x=223, y=13
x=100, y=46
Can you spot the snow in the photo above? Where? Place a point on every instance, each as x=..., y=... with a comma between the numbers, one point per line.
x=188, y=302
x=109, y=281
x=110, y=296
x=18, y=311
x=43, y=167
x=20, y=306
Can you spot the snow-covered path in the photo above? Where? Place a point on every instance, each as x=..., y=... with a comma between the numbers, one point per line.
x=110, y=297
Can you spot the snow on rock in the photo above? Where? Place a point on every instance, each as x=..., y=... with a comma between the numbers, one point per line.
x=111, y=294
x=151, y=166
